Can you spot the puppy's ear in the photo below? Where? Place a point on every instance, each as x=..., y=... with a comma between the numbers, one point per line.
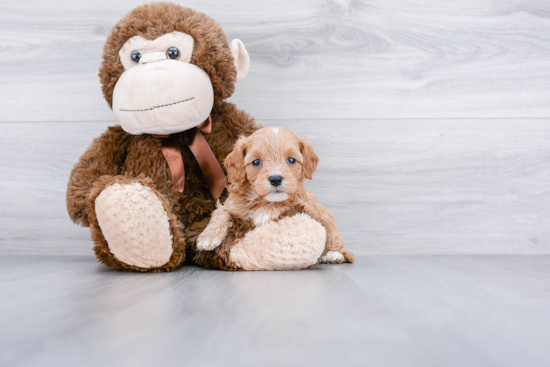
x=310, y=159
x=234, y=162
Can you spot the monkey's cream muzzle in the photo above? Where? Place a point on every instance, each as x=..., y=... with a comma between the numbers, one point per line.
x=162, y=96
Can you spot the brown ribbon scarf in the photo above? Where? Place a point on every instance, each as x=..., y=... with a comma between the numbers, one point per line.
x=211, y=169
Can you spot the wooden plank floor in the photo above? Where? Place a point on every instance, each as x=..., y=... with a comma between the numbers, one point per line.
x=380, y=311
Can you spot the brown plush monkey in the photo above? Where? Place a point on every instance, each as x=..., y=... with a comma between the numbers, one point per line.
x=147, y=187
x=165, y=70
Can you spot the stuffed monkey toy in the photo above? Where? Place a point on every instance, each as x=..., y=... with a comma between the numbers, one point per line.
x=147, y=187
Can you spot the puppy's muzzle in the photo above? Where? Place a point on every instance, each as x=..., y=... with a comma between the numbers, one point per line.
x=276, y=180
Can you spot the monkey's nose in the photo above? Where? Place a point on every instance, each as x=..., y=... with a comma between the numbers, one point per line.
x=276, y=180
x=152, y=57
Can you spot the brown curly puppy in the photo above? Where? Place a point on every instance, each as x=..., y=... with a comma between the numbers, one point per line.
x=267, y=172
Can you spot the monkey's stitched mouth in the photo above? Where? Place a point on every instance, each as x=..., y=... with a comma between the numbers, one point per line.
x=154, y=107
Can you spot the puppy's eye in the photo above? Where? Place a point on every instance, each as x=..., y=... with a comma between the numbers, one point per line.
x=136, y=56
x=291, y=160
x=173, y=53
x=256, y=163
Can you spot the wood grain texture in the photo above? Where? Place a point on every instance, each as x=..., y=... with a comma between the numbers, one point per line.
x=394, y=186
x=381, y=311
x=310, y=59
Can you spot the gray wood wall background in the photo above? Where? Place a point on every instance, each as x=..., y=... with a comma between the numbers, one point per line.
x=431, y=117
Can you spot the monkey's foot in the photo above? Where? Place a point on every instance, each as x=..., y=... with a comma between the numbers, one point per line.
x=135, y=225
x=294, y=242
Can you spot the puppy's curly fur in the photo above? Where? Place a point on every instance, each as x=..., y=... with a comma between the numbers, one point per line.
x=267, y=172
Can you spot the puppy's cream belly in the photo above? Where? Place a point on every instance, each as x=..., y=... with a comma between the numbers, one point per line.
x=292, y=243
x=135, y=225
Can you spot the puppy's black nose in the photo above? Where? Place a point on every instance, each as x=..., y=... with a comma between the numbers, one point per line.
x=276, y=180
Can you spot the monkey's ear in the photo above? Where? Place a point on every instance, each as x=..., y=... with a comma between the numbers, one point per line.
x=241, y=60
x=234, y=163
x=310, y=159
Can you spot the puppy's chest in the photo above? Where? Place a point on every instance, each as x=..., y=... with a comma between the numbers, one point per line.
x=264, y=215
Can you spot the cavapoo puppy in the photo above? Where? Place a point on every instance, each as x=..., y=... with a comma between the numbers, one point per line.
x=267, y=172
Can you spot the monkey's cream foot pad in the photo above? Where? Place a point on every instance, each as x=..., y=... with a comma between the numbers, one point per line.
x=294, y=242
x=135, y=225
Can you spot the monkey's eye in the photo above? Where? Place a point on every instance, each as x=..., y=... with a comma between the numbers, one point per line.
x=136, y=56
x=173, y=53
x=291, y=160
x=256, y=163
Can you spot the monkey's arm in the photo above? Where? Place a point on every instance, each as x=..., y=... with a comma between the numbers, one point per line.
x=105, y=156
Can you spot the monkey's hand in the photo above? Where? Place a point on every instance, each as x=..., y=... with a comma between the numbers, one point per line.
x=104, y=157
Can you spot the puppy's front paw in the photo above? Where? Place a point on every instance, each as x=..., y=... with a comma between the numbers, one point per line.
x=208, y=245
x=210, y=239
x=333, y=257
